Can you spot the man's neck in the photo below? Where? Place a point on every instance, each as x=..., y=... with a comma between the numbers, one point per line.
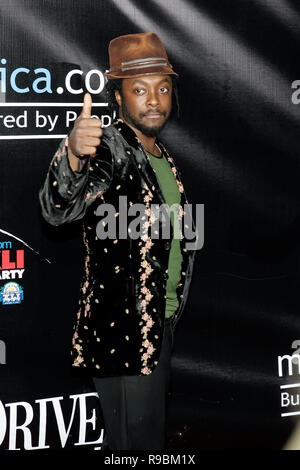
x=147, y=142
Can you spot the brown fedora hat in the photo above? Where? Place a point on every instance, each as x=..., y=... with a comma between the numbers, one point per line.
x=139, y=54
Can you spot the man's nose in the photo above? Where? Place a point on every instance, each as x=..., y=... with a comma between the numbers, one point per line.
x=153, y=98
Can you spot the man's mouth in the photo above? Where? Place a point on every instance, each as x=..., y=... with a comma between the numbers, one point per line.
x=153, y=114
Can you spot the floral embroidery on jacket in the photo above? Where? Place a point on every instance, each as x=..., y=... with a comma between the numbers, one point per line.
x=146, y=295
x=76, y=340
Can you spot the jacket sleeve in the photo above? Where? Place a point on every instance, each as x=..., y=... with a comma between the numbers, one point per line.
x=66, y=194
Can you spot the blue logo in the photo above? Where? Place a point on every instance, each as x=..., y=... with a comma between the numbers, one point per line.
x=11, y=293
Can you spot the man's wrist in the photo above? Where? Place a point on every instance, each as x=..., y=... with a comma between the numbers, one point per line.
x=76, y=163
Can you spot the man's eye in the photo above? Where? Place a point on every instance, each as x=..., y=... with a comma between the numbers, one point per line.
x=164, y=89
x=139, y=91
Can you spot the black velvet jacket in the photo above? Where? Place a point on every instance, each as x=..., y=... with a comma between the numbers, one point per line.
x=119, y=324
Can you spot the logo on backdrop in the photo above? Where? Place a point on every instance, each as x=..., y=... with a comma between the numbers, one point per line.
x=23, y=80
x=11, y=293
x=289, y=369
x=26, y=426
x=11, y=270
x=51, y=113
x=11, y=262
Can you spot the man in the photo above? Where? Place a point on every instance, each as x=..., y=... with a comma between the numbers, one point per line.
x=134, y=288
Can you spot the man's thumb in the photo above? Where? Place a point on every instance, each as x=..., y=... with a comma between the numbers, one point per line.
x=87, y=106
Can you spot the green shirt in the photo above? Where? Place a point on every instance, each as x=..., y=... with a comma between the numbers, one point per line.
x=172, y=196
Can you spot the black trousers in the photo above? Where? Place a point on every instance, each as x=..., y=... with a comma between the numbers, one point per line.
x=134, y=407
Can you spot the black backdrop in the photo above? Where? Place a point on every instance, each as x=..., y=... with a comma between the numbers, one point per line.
x=237, y=145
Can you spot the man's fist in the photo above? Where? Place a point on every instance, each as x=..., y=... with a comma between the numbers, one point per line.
x=86, y=134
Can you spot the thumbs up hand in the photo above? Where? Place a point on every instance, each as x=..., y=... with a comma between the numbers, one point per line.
x=86, y=134
x=87, y=106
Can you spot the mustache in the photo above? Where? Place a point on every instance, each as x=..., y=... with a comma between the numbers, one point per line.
x=163, y=113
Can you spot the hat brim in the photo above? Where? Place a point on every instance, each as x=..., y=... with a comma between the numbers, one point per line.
x=161, y=70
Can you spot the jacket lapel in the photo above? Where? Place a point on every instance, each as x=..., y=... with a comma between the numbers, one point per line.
x=144, y=165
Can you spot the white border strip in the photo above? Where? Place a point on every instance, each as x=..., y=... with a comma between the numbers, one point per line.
x=61, y=105
x=295, y=413
x=290, y=385
x=19, y=137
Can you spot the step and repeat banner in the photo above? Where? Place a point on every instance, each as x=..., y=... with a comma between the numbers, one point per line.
x=235, y=367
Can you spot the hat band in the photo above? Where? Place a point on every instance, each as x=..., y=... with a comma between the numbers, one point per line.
x=163, y=64
x=142, y=63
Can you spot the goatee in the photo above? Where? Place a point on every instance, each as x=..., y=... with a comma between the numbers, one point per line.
x=152, y=131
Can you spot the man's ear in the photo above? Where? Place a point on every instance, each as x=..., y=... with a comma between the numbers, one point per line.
x=118, y=97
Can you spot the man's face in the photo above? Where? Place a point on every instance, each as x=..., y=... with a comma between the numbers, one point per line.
x=145, y=102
